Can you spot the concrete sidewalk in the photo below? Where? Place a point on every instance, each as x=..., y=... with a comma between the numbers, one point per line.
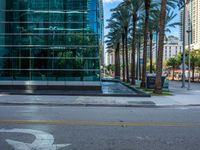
x=182, y=97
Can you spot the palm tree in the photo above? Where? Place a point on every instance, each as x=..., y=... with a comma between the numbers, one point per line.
x=119, y=24
x=165, y=4
x=146, y=26
x=172, y=62
x=123, y=57
x=139, y=40
x=195, y=56
x=134, y=7
x=154, y=27
x=158, y=86
x=122, y=14
x=151, y=51
x=113, y=43
x=115, y=25
x=169, y=18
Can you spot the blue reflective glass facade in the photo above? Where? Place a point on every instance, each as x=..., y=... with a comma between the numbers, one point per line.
x=53, y=40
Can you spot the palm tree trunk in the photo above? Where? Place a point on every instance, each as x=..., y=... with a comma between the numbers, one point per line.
x=134, y=21
x=173, y=73
x=159, y=65
x=139, y=54
x=126, y=56
x=151, y=52
x=193, y=70
x=156, y=46
x=138, y=70
x=137, y=67
x=123, y=57
x=117, y=63
x=147, y=8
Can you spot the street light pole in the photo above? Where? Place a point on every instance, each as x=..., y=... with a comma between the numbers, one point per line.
x=181, y=5
x=189, y=63
x=183, y=66
x=189, y=31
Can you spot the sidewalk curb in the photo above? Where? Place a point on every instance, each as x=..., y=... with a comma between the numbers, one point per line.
x=75, y=94
x=78, y=104
x=99, y=105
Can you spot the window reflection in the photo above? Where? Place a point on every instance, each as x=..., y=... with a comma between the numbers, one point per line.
x=49, y=40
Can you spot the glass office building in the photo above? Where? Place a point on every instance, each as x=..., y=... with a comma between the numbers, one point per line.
x=50, y=40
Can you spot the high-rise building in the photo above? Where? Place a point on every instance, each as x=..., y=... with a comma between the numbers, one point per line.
x=102, y=33
x=192, y=22
x=51, y=40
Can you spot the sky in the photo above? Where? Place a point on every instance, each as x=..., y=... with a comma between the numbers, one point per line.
x=109, y=4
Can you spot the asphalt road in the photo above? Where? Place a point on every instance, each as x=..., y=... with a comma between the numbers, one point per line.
x=99, y=128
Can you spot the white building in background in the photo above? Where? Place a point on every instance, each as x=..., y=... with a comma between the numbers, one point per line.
x=172, y=47
x=192, y=20
x=110, y=56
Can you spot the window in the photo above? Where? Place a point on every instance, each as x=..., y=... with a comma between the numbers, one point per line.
x=165, y=56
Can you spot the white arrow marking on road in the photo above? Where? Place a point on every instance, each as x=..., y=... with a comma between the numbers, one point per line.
x=43, y=140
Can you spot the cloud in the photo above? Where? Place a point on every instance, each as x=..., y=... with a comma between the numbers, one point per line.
x=111, y=1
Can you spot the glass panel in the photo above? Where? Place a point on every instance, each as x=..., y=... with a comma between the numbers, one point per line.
x=6, y=75
x=50, y=28
x=51, y=4
x=21, y=75
x=54, y=40
x=41, y=16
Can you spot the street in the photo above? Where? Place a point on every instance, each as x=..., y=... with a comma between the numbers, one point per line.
x=99, y=74
x=99, y=128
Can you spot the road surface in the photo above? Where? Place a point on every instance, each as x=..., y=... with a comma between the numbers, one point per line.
x=99, y=128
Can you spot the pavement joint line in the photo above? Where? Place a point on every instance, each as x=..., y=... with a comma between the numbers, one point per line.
x=102, y=123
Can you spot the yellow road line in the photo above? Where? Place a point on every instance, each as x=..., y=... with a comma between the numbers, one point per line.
x=102, y=123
